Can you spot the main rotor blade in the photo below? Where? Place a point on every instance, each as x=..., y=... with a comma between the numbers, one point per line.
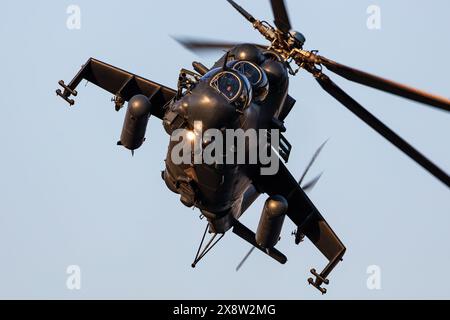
x=242, y=11
x=386, y=85
x=328, y=85
x=197, y=45
x=281, y=16
x=244, y=259
x=313, y=159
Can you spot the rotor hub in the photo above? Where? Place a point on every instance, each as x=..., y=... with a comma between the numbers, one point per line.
x=297, y=37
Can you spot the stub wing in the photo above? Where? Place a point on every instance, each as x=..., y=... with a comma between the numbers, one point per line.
x=308, y=219
x=122, y=84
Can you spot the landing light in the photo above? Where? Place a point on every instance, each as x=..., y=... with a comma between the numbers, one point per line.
x=190, y=135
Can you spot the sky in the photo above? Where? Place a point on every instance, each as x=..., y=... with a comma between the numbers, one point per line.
x=70, y=197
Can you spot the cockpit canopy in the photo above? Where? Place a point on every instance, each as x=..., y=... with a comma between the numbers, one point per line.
x=232, y=85
x=228, y=84
x=255, y=75
x=240, y=82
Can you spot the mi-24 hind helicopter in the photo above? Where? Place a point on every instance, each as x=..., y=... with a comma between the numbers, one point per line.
x=247, y=88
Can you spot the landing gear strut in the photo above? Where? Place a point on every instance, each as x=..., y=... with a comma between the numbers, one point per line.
x=211, y=243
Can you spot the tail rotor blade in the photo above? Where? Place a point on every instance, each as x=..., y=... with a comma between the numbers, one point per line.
x=244, y=259
x=313, y=159
x=310, y=185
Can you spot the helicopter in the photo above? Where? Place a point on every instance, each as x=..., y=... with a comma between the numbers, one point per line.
x=246, y=89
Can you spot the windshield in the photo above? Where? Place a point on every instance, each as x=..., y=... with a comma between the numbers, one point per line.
x=228, y=84
x=249, y=70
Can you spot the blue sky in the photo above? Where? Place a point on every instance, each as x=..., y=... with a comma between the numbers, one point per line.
x=70, y=196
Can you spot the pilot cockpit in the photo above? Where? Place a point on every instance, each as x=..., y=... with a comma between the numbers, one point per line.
x=239, y=82
x=228, y=84
x=255, y=75
x=233, y=86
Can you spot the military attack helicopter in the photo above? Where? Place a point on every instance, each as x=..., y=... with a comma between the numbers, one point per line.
x=247, y=88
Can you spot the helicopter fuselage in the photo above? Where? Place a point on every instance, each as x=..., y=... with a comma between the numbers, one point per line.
x=219, y=189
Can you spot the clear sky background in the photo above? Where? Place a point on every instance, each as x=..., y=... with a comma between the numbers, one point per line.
x=70, y=196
